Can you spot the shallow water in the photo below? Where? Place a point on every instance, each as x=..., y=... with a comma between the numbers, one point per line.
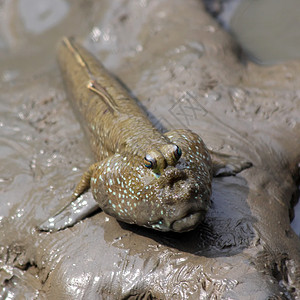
x=296, y=222
x=267, y=30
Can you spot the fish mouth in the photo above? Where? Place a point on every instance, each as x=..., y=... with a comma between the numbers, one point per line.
x=187, y=223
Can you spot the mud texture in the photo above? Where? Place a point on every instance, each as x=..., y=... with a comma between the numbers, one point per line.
x=185, y=71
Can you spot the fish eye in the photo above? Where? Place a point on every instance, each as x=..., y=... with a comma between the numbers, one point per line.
x=150, y=162
x=177, y=152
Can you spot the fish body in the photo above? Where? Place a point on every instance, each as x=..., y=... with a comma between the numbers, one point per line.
x=144, y=177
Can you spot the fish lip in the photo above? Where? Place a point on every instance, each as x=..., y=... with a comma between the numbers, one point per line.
x=187, y=223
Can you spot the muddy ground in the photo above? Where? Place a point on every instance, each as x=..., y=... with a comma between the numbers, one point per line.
x=187, y=73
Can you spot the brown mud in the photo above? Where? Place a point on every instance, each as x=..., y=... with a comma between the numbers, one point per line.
x=185, y=71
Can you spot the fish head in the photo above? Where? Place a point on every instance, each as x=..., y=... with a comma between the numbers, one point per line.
x=167, y=190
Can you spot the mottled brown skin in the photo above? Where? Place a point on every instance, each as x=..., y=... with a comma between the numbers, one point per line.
x=170, y=191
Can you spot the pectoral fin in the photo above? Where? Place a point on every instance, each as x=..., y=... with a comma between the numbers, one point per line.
x=81, y=205
x=74, y=212
x=227, y=165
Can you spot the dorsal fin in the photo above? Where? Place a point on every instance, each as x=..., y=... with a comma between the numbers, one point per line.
x=77, y=56
x=101, y=91
x=92, y=85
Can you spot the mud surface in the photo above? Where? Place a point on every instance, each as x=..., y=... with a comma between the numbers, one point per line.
x=185, y=71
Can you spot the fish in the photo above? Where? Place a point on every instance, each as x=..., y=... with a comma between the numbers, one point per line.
x=141, y=176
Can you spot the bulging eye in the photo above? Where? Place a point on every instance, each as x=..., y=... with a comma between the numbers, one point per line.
x=150, y=162
x=177, y=152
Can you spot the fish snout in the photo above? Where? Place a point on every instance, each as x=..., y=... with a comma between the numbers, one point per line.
x=173, y=175
x=177, y=187
x=184, y=200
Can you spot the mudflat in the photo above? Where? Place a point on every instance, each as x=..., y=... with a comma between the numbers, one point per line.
x=185, y=71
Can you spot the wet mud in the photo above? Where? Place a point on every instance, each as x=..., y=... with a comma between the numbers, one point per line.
x=185, y=71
